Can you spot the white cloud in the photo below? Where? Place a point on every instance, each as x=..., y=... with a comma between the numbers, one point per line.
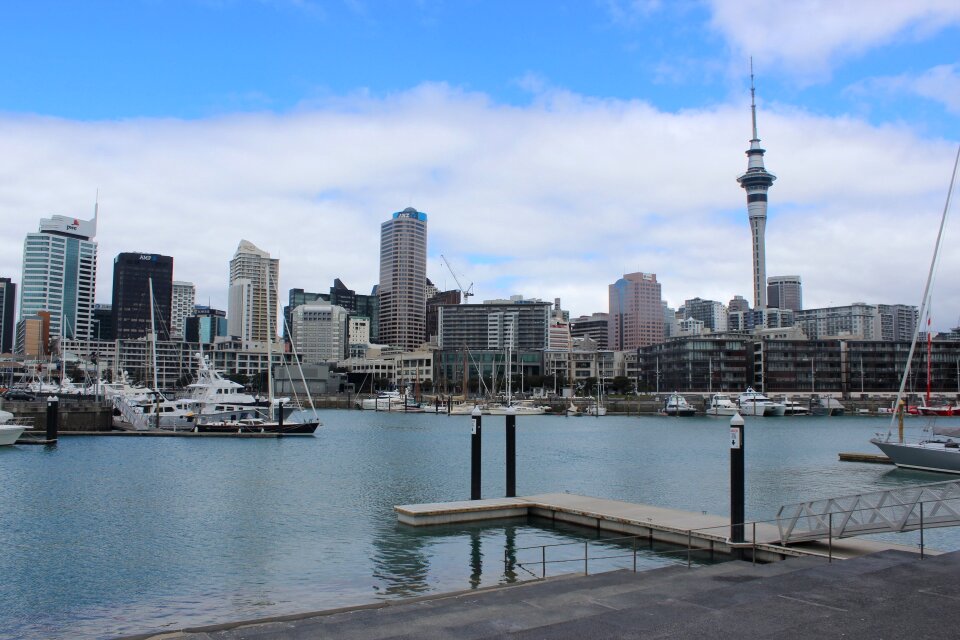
x=559, y=198
x=806, y=36
x=940, y=84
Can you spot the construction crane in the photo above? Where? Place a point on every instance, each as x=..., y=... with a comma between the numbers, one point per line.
x=466, y=293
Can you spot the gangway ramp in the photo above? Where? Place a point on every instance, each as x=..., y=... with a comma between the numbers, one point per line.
x=897, y=510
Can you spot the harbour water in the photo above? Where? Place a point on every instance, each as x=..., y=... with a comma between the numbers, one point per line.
x=110, y=536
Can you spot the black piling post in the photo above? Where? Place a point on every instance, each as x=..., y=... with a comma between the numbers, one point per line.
x=475, y=454
x=280, y=416
x=511, y=453
x=736, y=482
x=53, y=405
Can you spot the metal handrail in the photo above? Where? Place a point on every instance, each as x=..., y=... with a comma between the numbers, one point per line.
x=690, y=547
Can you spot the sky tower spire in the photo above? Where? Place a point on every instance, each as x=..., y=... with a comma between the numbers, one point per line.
x=755, y=182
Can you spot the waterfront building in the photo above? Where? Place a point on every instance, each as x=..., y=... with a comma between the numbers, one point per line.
x=252, y=310
x=102, y=322
x=785, y=292
x=184, y=301
x=716, y=362
x=320, y=333
x=595, y=326
x=60, y=275
x=636, y=312
x=412, y=368
x=711, y=313
x=690, y=327
x=493, y=326
x=205, y=325
x=135, y=275
x=8, y=300
x=756, y=181
x=320, y=379
x=403, y=279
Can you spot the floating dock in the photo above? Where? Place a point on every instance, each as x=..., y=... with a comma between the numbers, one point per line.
x=684, y=528
x=873, y=458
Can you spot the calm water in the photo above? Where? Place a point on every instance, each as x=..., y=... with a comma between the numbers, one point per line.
x=111, y=536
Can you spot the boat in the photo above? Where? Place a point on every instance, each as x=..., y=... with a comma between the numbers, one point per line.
x=827, y=406
x=754, y=403
x=676, y=405
x=10, y=431
x=596, y=410
x=383, y=401
x=721, y=405
x=573, y=411
x=792, y=408
x=941, y=452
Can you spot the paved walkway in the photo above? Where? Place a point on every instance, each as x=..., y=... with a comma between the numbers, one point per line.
x=892, y=594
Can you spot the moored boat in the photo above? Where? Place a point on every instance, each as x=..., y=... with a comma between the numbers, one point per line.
x=721, y=405
x=9, y=431
x=754, y=403
x=676, y=405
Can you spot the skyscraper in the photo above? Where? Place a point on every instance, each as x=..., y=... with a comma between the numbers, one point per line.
x=252, y=310
x=755, y=182
x=785, y=292
x=134, y=274
x=636, y=313
x=8, y=299
x=403, y=279
x=60, y=275
x=184, y=300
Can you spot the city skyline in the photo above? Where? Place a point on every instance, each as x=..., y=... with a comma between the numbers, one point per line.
x=543, y=178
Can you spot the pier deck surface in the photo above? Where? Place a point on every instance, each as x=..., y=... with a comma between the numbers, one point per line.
x=891, y=594
x=671, y=525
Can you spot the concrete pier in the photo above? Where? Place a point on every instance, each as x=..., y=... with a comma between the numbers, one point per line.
x=701, y=530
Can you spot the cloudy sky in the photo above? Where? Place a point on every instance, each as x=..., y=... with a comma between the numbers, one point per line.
x=554, y=145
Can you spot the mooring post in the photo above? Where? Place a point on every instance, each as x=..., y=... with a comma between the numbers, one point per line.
x=475, y=454
x=511, y=452
x=53, y=405
x=280, y=416
x=736, y=482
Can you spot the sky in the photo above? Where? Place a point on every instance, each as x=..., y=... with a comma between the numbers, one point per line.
x=554, y=145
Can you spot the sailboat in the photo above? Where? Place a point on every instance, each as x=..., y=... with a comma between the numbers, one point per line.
x=942, y=451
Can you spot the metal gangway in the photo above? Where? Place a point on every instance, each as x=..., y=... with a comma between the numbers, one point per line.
x=897, y=510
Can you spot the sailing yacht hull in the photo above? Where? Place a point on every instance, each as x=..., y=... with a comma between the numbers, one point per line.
x=296, y=428
x=942, y=456
x=9, y=434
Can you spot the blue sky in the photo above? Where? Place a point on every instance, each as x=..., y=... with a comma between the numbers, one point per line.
x=560, y=143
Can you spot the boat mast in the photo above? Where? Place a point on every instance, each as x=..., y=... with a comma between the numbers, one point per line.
x=926, y=296
x=153, y=337
x=271, y=320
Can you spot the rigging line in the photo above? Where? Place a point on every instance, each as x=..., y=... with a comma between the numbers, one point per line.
x=296, y=356
x=926, y=290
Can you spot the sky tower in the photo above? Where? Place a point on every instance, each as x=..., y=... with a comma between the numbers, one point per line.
x=755, y=182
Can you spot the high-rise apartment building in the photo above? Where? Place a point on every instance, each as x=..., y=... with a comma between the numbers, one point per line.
x=184, y=301
x=756, y=181
x=403, y=279
x=205, y=325
x=785, y=292
x=135, y=277
x=433, y=311
x=636, y=312
x=252, y=310
x=60, y=275
x=898, y=322
x=358, y=304
x=8, y=300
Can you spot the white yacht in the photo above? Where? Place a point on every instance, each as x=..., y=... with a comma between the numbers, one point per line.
x=721, y=405
x=792, y=408
x=754, y=403
x=9, y=432
x=677, y=405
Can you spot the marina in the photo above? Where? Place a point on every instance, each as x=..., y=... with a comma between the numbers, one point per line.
x=124, y=535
